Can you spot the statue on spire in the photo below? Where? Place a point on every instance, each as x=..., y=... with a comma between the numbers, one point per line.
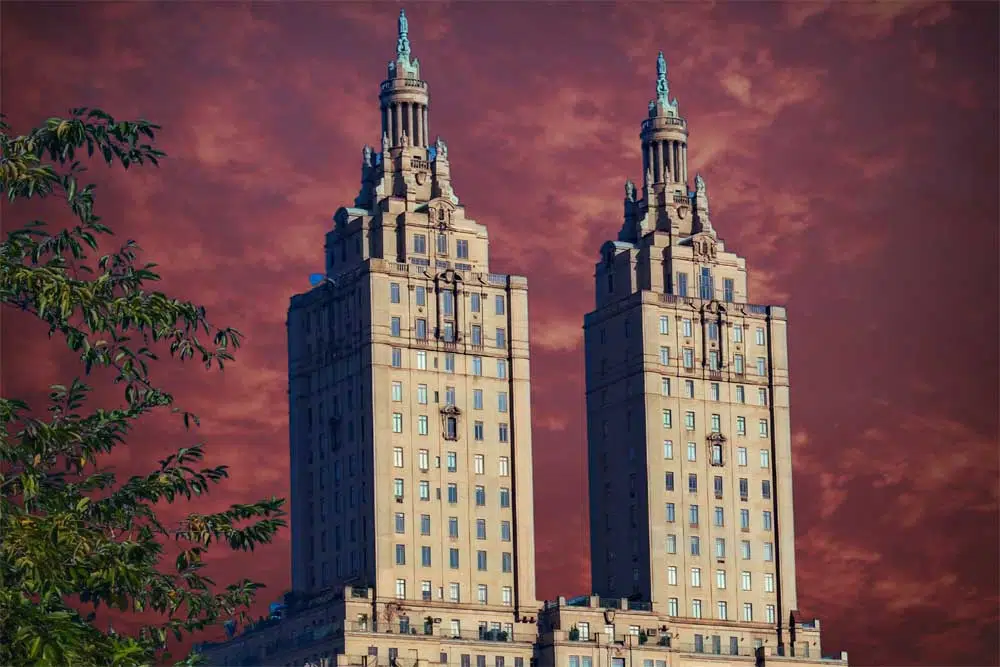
x=366, y=156
x=663, y=87
x=403, y=42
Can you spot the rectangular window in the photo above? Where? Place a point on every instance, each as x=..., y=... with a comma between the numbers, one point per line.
x=766, y=521
x=480, y=496
x=401, y=588
x=453, y=558
x=665, y=356
x=506, y=562
x=449, y=362
x=481, y=593
x=669, y=481
x=506, y=598
x=425, y=556
x=696, y=576
x=397, y=358
x=668, y=419
x=501, y=338
x=477, y=366
x=397, y=422
x=664, y=324
x=714, y=391
x=449, y=396
x=741, y=456
x=686, y=328
x=481, y=561
x=397, y=457
x=421, y=360
x=705, y=284
x=720, y=580
x=716, y=423
x=664, y=386
x=503, y=466
x=477, y=399
x=400, y=554
x=477, y=431
x=504, y=497
x=696, y=613
x=503, y=432
x=397, y=392
x=672, y=607
x=423, y=459
x=761, y=366
x=759, y=336
x=744, y=519
x=762, y=428
x=728, y=290
x=713, y=331
x=762, y=396
x=449, y=332
x=744, y=489
x=713, y=360
x=693, y=511
x=671, y=544
x=453, y=526
x=720, y=547
x=745, y=581
x=442, y=244
x=505, y=531
x=738, y=364
x=462, y=249
x=738, y=333
x=693, y=483
x=682, y=284
x=479, y=466
x=769, y=613
x=425, y=524
x=454, y=594
x=765, y=458
x=420, y=294
x=688, y=358
x=452, y=461
x=420, y=244
x=689, y=388
x=768, y=552
x=765, y=489
x=421, y=329
x=502, y=368
x=741, y=394
x=768, y=582
x=400, y=523
x=741, y=426
x=474, y=302
x=668, y=449
x=502, y=401
x=422, y=425
x=425, y=490
x=670, y=512
x=393, y=292
x=745, y=549
x=452, y=493
x=695, y=545
x=499, y=304
x=477, y=335
x=722, y=609
x=689, y=420
x=480, y=529
x=672, y=575
x=719, y=517
x=748, y=612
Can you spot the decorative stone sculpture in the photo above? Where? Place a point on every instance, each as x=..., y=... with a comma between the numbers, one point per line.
x=629, y=190
x=366, y=155
x=404, y=141
x=385, y=142
x=441, y=148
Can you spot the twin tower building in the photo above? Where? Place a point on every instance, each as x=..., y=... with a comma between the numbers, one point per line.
x=412, y=512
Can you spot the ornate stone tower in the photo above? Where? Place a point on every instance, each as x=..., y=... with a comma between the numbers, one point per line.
x=409, y=394
x=687, y=408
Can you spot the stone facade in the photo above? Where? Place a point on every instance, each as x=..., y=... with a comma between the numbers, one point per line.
x=410, y=429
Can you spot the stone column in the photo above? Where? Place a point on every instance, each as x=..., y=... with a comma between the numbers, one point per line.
x=661, y=173
x=684, y=160
x=397, y=114
x=427, y=131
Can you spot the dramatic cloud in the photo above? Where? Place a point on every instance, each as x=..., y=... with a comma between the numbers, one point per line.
x=850, y=151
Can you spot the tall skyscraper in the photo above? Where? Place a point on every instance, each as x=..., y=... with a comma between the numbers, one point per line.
x=687, y=407
x=409, y=394
x=410, y=428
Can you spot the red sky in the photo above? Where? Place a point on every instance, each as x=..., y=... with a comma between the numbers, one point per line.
x=851, y=154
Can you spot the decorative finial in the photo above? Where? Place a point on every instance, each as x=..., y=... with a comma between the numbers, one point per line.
x=699, y=184
x=663, y=86
x=441, y=148
x=404, y=141
x=629, y=190
x=403, y=42
x=366, y=156
x=385, y=143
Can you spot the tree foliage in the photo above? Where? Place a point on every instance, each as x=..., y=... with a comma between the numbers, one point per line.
x=73, y=537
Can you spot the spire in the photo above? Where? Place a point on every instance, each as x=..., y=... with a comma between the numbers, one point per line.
x=403, y=41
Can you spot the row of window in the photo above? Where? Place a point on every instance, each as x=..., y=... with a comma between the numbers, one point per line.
x=425, y=524
x=506, y=559
x=718, y=484
x=451, y=461
x=722, y=611
x=718, y=520
x=421, y=332
x=447, y=299
x=420, y=357
x=742, y=459
x=450, y=396
x=455, y=592
x=687, y=330
x=441, y=240
x=746, y=551
x=714, y=391
x=746, y=579
x=714, y=361
x=451, y=428
x=715, y=423
x=424, y=493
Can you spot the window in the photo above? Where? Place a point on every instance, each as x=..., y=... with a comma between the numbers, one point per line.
x=672, y=575
x=738, y=364
x=400, y=554
x=769, y=613
x=745, y=549
x=462, y=249
x=397, y=488
x=397, y=358
x=713, y=360
x=421, y=360
x=728, y=289
x=688, y=358
x=474, y=303
x=768, y=582
x=449, y=396
x=506, y=562
x=686, y=328
x=449, y=362
x=481, y=561
x=759, y=336
x=423, y=459
x=479, y=464
x=693, y=511
x=693, y=483
x=505, y=531
x=762, y=396
x=664, y=324
x=442, y=244
x=745, y=581
x=668, y=419
x=503, y=466
x=744, y=519
x=504, y=497
x=502, y=401
x=768, y=551
x=744, y=489
x=397, y=457
x=425, y=556
x=682, y=284
x=507, y=598
x=741, y=426
x=453, y=526
x=720, y=581
x=499, y=304
x=503, y=434
x=722, y=609
x=672, y=607
x=452, y=493
x=477, y=399
x=400, y=523
x=741, y=456
x=765, y=489
x=668, y=449
x=421, y=329
x=689, y=388
x=741, y=394
x=705, y=283
x=719, y=516
x=720, y=547
x=397, y=392
x=696, y=613
x=480, y=496
x=714, y=391
x=502, y=368
x=477, y=431
x=425, y=524
x=397, y=422
x=670, y=512
x=689, y=420
x=477, y=335
x=394, y=327
x=669, y=481
x=425, y=590
x=737, y=333
x=394, y=292
x=452, y=461
x=422, y=394
x=422, y=425
x=695, y=545
x=453, y=558
x=761, y=366
x=762, y=428
x=425, y=490
x=401, y=588
x=664, y=386
x=454, y=594
x=665, y=356
x=671, y=544
x=716, y=454
x=420, y=244
x=716, y=423
x=481, y=594
x=420, y=294
x=766, y=520
x=765, y=458
x=713, y=331
x=501, y=338
x=477, y=366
